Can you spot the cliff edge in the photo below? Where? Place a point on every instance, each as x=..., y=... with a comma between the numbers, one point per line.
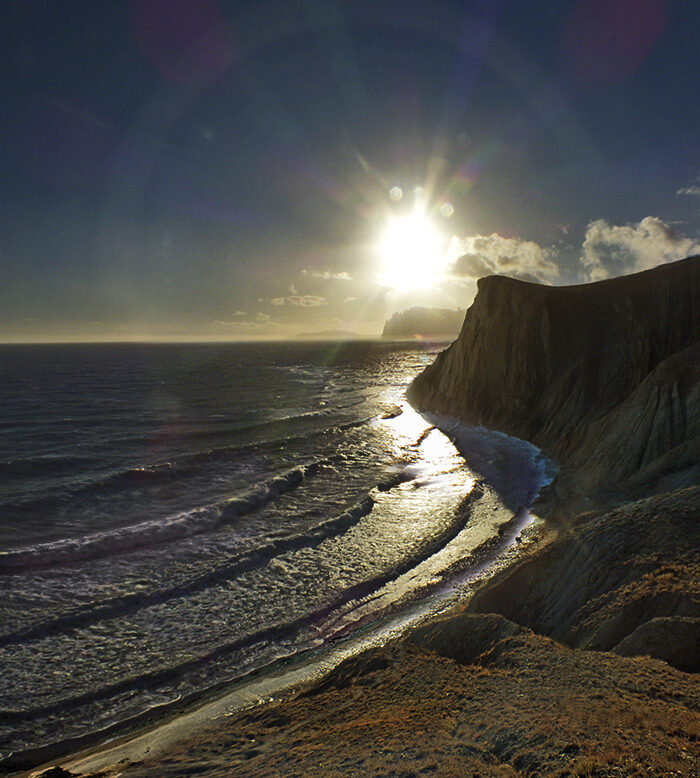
x=603, y=377
x=576, y=659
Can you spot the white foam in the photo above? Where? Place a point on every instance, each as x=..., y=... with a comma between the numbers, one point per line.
x=163, y=530
x=515, y=468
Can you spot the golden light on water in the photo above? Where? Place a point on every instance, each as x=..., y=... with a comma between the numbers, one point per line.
x=439, y=462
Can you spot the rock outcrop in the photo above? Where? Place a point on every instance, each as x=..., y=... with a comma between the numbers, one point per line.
x=418, y=322
x=603, y=377
x=625, y=580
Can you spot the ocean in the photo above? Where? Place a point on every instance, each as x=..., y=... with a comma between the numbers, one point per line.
x=174, y=517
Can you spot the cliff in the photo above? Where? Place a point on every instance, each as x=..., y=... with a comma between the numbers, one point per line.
x=603, y=377
x=423, y=323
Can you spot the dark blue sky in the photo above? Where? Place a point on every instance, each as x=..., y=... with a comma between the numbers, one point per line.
x=184, y=169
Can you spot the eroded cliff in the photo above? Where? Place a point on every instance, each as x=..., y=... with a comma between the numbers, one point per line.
x=603, y=377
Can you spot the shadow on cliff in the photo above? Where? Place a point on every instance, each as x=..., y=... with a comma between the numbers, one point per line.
x=513, y=468
x=604, y=377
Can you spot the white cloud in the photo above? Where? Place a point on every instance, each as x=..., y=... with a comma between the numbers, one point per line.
x=693, y=191
x=481, y=255
x=245, y=321
x=612, y=250
x=301, y=300
x=327, y=275
x=607, y=250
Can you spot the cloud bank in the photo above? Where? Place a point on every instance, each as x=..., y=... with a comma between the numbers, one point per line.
x=300, y=300
x=607, y=250
x=327, y=275
x=482, y=255
x=611, y=250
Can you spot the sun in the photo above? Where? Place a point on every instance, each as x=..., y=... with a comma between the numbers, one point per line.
x=411, y=253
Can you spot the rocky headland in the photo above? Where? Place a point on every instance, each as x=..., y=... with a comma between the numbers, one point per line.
x=580, y=659
x=419, y=322
x=603, y=377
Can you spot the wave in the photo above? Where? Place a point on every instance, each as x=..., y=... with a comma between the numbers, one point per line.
x=515, y=468
x=149, y=533
x=44, y=464
x=249, y=560
x=154, y=473
x=254, y=558
x=169, y=675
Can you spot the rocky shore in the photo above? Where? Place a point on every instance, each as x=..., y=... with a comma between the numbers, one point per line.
x=582, y=658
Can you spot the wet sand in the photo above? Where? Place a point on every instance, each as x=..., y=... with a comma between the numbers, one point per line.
x=205, y=718
x=466, y=692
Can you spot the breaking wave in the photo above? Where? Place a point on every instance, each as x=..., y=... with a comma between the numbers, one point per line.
x=149, y=533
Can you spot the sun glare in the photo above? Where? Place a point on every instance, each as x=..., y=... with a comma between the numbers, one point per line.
x=411, y=253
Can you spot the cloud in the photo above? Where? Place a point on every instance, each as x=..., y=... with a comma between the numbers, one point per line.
x=301, y=300
x=482, y=255
x=607, y=250
x=245, y=321
x=611, y=250
x=327, y=275
x=693, y=191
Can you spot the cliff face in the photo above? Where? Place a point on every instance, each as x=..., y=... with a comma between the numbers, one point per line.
x=603, y=377
x=423, y=322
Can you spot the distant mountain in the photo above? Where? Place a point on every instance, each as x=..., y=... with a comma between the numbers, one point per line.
x=603, y=377
x=419, y=322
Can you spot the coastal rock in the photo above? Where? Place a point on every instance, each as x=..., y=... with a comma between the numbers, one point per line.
x=675, y=640
x=603, y=377
x=616, y=580
x=464, y=639
x=419, y=322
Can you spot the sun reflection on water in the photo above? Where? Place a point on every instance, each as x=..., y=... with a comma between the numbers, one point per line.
x=437, y=456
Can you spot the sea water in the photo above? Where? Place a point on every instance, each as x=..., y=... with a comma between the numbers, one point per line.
x=175, y=516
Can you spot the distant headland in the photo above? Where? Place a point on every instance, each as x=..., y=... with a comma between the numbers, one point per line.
x=420, y=322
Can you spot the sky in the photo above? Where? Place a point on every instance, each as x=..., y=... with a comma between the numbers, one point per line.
x=172, y=169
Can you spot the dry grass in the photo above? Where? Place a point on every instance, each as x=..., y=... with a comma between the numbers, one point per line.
x=527, y=706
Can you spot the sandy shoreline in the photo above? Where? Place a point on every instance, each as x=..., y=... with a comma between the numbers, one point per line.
x=522, y=668
x=469, y=691
x=288, y=679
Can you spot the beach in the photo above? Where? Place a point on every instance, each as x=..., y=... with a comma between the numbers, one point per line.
x=460, y=693
x=161, y=553
x=347, y=662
